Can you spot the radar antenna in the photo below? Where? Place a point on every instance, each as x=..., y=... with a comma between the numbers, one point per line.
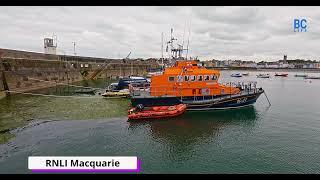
x=176, y=53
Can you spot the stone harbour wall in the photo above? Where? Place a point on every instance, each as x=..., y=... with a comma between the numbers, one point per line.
x=22, y=68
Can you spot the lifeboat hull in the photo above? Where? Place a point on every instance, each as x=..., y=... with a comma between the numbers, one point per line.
x=158, y=112
x=205, y=102
x=225, y=103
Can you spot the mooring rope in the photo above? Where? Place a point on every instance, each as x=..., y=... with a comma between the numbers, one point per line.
x=56, y=96
x=64, y=84
x=267, y=98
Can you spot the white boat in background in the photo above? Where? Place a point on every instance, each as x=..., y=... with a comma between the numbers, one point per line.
x=236, y=75
x=312, y=77
x=154, y=74
x=137, y=78
x=263, y=76
x=281, y=74
x=301, y=75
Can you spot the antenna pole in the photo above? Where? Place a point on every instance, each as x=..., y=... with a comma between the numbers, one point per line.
x=188, y=41
x=171, y=41
x=162, y=47
x=74, y=48
x=167, y=48
x=55, y=39
x=184, y=30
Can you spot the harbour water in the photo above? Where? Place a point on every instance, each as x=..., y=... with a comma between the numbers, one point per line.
x=282, y=138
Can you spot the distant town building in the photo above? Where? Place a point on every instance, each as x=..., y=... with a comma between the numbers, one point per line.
x=249, y=64
x=284, y=63
x=273, y=65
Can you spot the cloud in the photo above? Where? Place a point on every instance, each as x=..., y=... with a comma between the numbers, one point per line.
x=248, y=33
x=233, y=16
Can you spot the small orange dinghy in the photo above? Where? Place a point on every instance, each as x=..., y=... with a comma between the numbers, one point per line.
x=156, y=112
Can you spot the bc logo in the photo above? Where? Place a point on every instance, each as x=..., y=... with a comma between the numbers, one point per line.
x=300, y=25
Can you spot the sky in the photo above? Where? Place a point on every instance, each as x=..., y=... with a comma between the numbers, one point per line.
x=233, y=32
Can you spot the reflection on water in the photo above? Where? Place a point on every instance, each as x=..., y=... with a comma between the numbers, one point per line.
x=19, y=110
x=282, y=138
x=182, y=133
x=65, y=90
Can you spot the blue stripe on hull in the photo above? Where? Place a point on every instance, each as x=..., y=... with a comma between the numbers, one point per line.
x=226, y=105
x=208, y=109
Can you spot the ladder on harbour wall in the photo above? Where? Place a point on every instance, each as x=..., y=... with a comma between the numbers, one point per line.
x=98, y=71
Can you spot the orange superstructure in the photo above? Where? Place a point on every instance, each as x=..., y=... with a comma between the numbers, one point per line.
x=186, y=78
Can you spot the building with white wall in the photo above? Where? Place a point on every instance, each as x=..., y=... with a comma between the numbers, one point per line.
x=50, y=47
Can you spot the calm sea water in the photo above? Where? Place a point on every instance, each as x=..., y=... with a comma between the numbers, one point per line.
x=282, y=138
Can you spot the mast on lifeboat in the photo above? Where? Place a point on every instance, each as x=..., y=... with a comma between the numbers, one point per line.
x=176, y=52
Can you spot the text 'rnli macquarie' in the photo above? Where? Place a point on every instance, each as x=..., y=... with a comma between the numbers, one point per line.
x=79, y=164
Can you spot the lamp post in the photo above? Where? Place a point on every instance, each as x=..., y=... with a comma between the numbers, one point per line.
x=74, y=48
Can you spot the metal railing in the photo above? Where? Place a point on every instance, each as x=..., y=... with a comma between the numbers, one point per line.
x=246, y=88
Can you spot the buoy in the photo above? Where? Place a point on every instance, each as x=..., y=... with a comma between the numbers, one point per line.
x=172, y=112
x=171, y=108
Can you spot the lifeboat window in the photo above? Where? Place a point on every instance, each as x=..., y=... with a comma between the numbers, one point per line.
x=171, y=78
x=186, y=78
x=192, y=78
x=199, y=78
x=206, y=77
x=213, y=77
x=179, y=78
